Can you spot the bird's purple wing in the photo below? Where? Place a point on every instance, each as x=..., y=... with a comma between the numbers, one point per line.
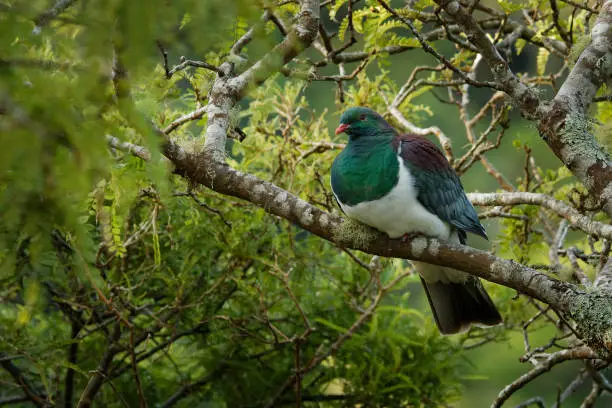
x=439, y=189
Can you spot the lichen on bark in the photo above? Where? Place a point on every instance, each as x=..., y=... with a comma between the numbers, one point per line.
x=592, y=312
x=353, y=232
x=580, y=148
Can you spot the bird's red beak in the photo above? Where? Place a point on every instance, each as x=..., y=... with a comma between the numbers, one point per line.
x=342, y=128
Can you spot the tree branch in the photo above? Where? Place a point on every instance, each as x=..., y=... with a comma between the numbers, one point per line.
x=575, y=218
x=190, y=388
x=58, y=8
x=584, y=6
x=562, y=123
x=604, y=276
x=565, y=126
x=95, y=382
x=565, y=297
x=571, y=388
x=562, y=296
x=13, y=400
x=590, y=399
x=248, y=36
x=132, y=148
x=429, y=49
x=537, y=401
x=72, y=359
x=196, y=114
x=552, y=360
x=526, y=98
x=32, y=395
x=191, y=63
x=228, y=89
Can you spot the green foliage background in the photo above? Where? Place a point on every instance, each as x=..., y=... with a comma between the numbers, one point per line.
x=90, y=235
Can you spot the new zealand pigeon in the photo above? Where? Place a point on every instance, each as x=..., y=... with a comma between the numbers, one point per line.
x=402, y=185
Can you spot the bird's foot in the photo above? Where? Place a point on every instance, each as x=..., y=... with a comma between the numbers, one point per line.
x=410, y=235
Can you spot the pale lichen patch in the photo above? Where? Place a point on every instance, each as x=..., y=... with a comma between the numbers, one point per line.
x=258, y=192
x=281, y=200
x=607, y=192
x=247, y=180
x=304, y=212
x=418, y=246
x=497, y=268
x=434, y=247
x=452, y=8
x=324, y=220
x=306, y=216
x=352, y=231
x=580, y=149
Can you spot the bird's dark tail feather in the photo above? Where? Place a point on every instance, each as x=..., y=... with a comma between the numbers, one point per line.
x=456, y=306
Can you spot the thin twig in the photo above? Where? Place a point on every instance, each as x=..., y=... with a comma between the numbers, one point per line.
x=141, y=396
x=99, y=374
x=584, y=6
x=579, y=273
x=248, y=36
x=562, y=32
x=191, y=63
x=598, y=377
x=544, y=366
x=35, y=397
x=190, y=388
x=429, y=49
x=132, y=148
x=532, y=401
x=319, y=147
x=553, y=252
x=560, y=208
x=603, y=98
x=322, y=355
x=571, y=388
x=58, y=8
x=189, y=117
x=72, y=359
x=202, y=204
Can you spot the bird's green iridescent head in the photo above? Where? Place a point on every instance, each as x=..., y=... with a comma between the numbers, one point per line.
x=360, y=121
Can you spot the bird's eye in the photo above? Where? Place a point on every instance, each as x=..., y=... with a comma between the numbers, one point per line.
x=363, y=117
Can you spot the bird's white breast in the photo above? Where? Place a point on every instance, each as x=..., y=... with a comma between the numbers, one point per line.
x=399, y=211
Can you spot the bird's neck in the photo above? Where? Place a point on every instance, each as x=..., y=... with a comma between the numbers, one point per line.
x=368, y=145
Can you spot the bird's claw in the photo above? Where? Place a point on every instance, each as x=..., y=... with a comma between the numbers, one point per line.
x=410, y=235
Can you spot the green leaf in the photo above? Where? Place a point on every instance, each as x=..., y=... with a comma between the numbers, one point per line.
x=185, y=20
x=520, y=44
x=542, y=60
x=334, y=7
x=330, y=324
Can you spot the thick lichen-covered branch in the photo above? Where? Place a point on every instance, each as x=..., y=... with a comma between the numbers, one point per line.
x=563, y=296
x=592, y=310
x=208, y=168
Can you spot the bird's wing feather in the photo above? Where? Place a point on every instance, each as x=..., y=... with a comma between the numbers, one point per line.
x=439, y=188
